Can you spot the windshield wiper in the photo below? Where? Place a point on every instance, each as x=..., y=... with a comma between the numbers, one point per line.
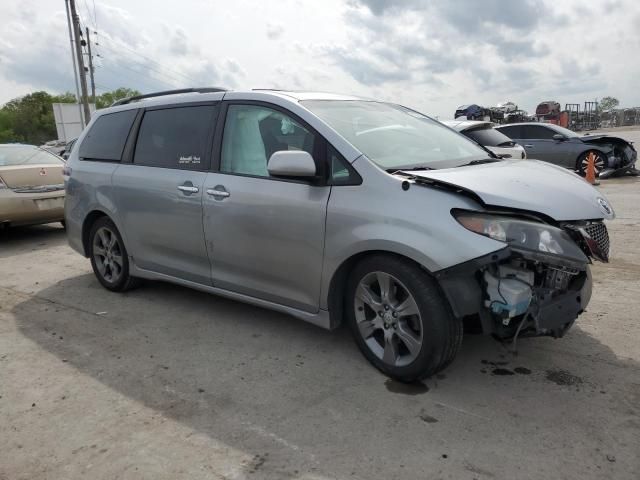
x=408, y=169
x=480, y=162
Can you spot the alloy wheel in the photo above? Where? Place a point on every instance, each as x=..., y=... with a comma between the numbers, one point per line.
x=107, y=253
x=388, y=319
x=598, y=164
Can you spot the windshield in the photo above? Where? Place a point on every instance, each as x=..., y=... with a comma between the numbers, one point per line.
x=489, y=137
x=395, y=137
x=26, y=155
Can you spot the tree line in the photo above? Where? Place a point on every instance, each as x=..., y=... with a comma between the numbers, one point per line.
x=29, y=119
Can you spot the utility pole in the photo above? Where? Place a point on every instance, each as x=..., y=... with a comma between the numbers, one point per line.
x=81, y=67
x=73, y=61
x=93, y=85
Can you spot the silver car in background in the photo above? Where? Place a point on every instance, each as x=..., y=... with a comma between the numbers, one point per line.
x=487, y=136
x=334, y=208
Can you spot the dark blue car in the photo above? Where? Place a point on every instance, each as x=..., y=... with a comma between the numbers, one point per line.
x=472, y=112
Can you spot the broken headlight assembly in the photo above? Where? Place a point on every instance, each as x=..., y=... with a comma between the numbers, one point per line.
x=538, y=241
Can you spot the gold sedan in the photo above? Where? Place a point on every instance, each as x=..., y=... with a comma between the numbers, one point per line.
x=31, y=186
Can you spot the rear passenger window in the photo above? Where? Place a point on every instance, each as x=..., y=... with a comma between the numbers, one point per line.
x=105, y=141
x=537, y=132
x=176, y=138
x=514, y=131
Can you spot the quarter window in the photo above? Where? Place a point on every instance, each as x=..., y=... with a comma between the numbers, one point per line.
x=341, y=173
x=175, y=137
x=253, y=133
x=105, y=141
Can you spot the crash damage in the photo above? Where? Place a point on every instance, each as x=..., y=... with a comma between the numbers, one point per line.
x=539, y=283
x=621, y=155
x=518, y=292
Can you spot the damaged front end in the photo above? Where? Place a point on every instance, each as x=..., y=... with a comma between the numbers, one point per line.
x=621, y=156
x=537, y=285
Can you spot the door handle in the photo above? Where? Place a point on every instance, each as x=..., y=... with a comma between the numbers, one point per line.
x=528, y=145
x=188, y=188
x=219, y=192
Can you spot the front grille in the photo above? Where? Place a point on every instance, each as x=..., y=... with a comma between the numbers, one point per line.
x=598, y=232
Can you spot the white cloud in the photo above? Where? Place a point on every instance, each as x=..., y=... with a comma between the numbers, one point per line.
x=429, y=54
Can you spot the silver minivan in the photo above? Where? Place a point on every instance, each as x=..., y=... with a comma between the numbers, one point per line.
x=335, y=208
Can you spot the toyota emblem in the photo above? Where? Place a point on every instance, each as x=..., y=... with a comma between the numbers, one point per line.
x=604, y=205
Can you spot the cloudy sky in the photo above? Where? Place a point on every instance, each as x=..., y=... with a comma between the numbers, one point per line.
x=432, y=55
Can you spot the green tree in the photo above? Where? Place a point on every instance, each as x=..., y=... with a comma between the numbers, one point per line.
x=107, y=98
x=7, y=135
x=608, y=103
x=30, y=118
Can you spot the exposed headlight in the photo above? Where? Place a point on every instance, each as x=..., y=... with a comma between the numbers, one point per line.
x=522, y=234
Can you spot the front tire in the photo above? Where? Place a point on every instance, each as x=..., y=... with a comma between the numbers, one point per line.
x=583, y=160
x=109, y=258
x=400, y=319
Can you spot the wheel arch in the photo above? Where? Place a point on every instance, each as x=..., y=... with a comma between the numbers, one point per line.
x=338, y=282
x=88, y=222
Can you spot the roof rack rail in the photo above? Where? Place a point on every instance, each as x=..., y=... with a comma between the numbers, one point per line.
x=124, y=101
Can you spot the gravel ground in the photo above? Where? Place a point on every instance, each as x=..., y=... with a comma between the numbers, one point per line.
x=166, y=383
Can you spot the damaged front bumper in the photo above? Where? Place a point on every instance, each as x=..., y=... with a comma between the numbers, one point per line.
x=519, y=293
x=620, y=161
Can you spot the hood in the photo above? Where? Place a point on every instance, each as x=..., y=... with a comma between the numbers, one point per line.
x=602, y=139
x=528, y=185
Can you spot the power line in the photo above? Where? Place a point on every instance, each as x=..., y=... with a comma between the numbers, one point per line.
x=114, y=48
x=172, y=79
x=95, y=24
x=86, y=7
x=104, y=88
x=191, y=79
x=95, y=18
x=154, y=83
x=165, y=76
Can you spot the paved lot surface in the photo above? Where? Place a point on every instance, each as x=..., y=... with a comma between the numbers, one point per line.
x=167, y=383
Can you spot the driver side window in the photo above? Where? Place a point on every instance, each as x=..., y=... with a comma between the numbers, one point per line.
x=253, y=133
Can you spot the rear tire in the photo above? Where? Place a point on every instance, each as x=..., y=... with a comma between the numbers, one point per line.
x=109, y=258
x=400, y=319
x=600, y=163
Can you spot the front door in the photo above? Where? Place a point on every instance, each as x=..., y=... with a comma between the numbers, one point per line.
x=540, y=145
x=265, y=235
x=159, y=195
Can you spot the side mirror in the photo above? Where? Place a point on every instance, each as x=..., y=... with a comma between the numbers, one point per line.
x=559, y=137
x=291, y=163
